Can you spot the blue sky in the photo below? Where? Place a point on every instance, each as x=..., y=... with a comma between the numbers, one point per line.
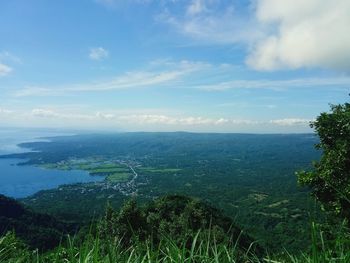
x=146, y=65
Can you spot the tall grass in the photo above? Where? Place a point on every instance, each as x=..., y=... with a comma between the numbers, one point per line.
x=325, y=247
x=203, y=248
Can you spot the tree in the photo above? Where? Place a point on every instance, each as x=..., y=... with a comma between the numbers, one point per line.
x=177, y=217
x=330, y=177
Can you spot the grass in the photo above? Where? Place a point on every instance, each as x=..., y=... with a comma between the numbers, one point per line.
x=85, y=166
x=155, y=170
x=63, y=167
x=90, y=167
x=111, y=165
x=204, y=249
x=107, y=170
x=96, y=250
x=118, y=177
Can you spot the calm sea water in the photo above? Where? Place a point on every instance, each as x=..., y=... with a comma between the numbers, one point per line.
x=21, y=181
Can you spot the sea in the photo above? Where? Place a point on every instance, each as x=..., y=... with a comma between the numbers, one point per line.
x=24, y=180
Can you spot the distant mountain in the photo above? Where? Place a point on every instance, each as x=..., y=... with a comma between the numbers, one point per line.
x=37, y=230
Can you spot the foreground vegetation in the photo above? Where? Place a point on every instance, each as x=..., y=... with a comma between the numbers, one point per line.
x=202, y=250
x=135, y=246
x=330, y=177
x=36, y=230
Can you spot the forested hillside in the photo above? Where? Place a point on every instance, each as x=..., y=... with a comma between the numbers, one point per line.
x=37, y=230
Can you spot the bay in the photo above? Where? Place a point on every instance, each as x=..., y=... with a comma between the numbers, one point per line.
x=23, y=180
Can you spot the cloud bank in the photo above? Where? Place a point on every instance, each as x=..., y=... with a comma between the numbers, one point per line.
x=155, y=119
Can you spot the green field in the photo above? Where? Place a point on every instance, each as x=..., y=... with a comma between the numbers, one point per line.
x=94, y=169
x=56, y=166
x=155, y=170
x=85, y=166
x=108, y=170
x=114, y=173
x=118, y=177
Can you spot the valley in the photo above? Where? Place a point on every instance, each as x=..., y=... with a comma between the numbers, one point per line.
x=249, y=177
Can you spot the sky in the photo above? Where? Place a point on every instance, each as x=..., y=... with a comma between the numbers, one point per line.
x=252, y=66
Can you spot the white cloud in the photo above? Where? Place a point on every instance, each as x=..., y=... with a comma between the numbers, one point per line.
x=6, y=59
x=4, y=70
x=37, y=91
x=145, y=120
x=130, y=80
x=169, y=120
x=288, y=34
x=139, y=119
x=174, y=76
x=54, y=114
x=106, y=116
x=7, y=56
x=98, y=53
x=203, y=20
x=5, y=111
x=196, y=7
x=245, y=105
x=308, y=33
x=44, y=113
x=290, y=121
x=159, y=119
x=277, y=84
x=169, y=74
x=135, y=79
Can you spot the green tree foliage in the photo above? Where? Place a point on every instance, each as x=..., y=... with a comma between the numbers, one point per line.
x=128, y=224
x=174, y=221
x=175, y=216
x=330, y=177
x=37, y=230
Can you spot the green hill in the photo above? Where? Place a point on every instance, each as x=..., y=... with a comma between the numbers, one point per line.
x=169, y=229
x=175, y=216
x=37, y=230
